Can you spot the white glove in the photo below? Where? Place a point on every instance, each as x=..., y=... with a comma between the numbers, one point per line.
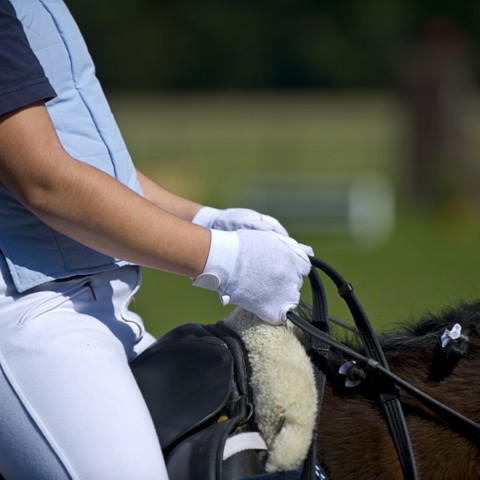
x=259, y=271
x=237, y=219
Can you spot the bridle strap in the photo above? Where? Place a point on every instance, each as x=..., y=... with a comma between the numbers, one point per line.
x=375, y=361
x=467, y=426
x=387, y=394
x=319, y=356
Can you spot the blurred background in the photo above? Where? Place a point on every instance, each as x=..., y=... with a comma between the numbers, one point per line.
x=354, y=123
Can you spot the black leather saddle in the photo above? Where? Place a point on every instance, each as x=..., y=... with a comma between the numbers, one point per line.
x=195, y=382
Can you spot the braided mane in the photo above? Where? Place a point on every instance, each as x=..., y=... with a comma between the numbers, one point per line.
x=413, y=349
x=427, y=331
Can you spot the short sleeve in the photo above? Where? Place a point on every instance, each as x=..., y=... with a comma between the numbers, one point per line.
x=22, y=78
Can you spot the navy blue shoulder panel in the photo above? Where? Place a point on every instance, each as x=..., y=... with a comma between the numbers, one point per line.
x=22, y=79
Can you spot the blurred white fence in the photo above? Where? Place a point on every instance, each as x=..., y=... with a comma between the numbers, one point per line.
x=359, y=205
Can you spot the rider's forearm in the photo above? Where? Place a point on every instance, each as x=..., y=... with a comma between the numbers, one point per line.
x=98, y=211
x=90, y=206
x=172, y=203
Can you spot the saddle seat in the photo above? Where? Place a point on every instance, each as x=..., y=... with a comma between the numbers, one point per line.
x=206, y=384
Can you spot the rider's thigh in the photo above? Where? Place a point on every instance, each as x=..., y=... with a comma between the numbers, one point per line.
x=24, y=451
x=69, y=405
x=85, y=420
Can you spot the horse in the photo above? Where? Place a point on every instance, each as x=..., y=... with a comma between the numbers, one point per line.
x=353, y=438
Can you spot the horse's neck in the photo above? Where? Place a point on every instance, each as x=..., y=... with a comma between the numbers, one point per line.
x=354, y=437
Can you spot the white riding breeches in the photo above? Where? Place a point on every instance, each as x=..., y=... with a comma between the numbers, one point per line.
x=69, y=405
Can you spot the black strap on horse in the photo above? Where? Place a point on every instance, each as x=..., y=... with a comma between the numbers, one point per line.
x=319, y=357
x=387, y=394
x=466, y=426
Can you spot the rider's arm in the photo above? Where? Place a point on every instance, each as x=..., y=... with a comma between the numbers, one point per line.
x=169, y=201
x=88, y=205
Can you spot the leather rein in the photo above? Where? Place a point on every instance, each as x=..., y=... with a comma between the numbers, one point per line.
x=373, y=361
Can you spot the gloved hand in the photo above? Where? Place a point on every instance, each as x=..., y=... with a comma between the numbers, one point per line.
x=259, y=271
x=236, y=219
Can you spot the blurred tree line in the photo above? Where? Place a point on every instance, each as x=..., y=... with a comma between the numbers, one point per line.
x=150, y=44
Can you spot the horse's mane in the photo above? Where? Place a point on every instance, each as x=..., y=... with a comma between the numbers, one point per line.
x=350, y=415
x=409, y=342
x=422, y=332
x=428, y=329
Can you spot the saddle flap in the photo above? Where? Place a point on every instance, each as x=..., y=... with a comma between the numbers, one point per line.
x=195, y=458
x=186, y=379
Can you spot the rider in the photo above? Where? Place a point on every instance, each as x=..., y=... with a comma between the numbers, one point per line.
x=76, y=222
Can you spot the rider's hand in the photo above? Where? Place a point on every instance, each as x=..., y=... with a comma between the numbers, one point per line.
x=232, y=219
x=259, y=271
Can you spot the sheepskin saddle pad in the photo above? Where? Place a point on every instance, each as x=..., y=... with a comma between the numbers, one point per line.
x=229, y=400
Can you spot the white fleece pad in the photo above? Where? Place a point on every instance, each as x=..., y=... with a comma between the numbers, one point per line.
x=283, y=386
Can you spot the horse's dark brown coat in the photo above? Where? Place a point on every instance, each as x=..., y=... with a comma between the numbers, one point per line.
x=354, y=442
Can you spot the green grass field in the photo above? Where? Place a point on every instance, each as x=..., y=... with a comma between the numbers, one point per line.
x=208, y=146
